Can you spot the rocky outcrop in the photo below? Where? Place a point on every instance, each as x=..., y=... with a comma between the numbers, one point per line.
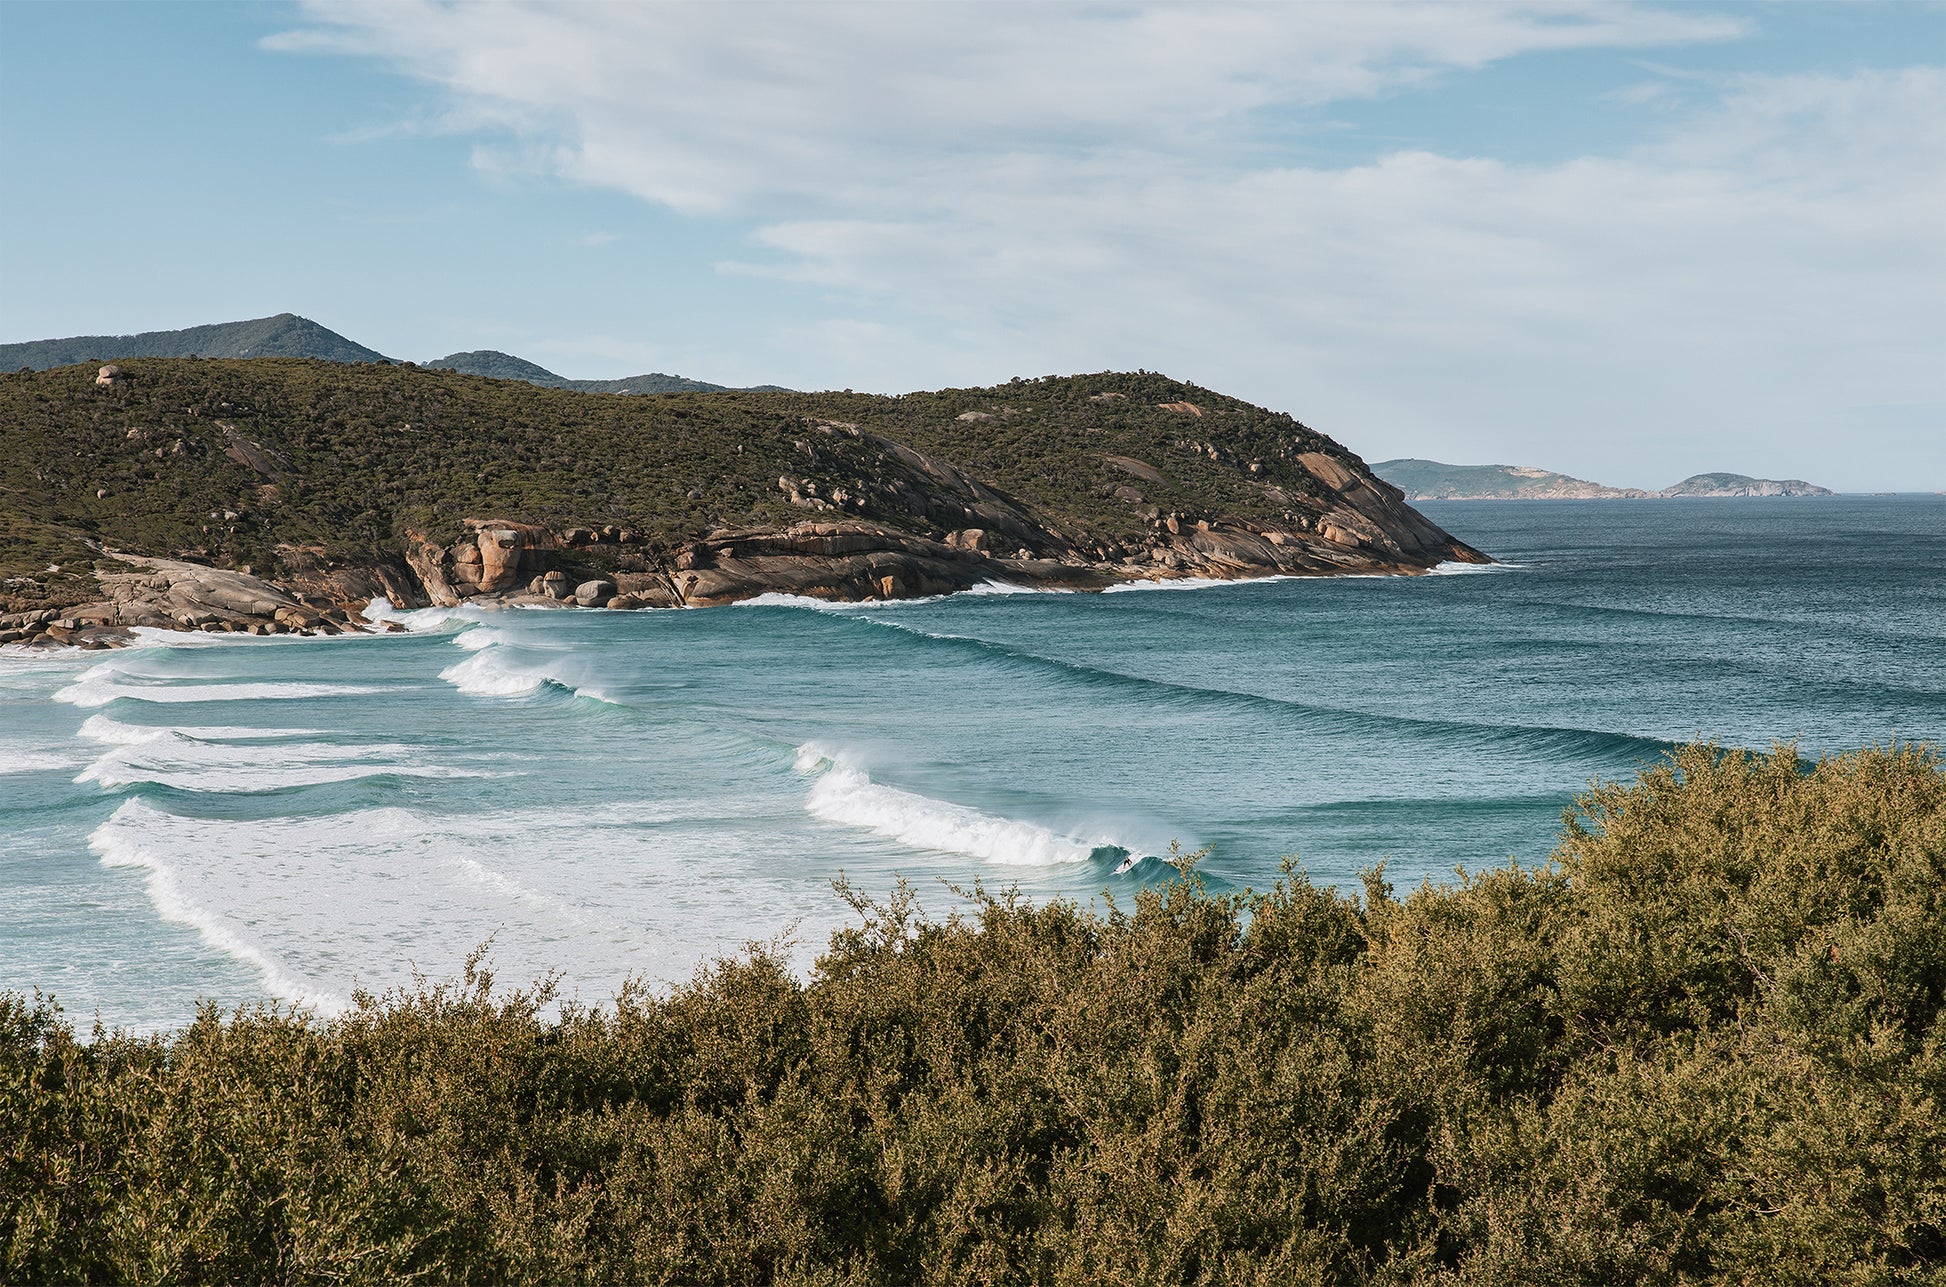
x=171, y=595
x=1358, y=524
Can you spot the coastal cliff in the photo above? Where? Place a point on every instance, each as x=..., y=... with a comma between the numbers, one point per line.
x=280, y=495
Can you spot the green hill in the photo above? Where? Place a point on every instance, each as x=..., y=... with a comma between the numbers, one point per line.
x=1432, y=480
x=495, y=365
x=285, y=335
x=505, y=366
x=276, y=464
x=1743, y=485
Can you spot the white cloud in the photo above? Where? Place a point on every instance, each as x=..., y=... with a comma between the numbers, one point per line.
x=707, y=107
x=994, y=190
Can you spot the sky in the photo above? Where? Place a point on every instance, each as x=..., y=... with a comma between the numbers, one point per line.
x=1626, y=241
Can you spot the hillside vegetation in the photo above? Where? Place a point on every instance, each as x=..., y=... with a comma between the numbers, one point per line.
x=238, y=463
x=1703, y=1044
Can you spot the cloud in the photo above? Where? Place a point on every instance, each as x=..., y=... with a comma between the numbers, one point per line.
x=709, y=108
x=996, y=189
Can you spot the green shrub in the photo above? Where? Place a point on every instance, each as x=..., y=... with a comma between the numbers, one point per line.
x=1701, y=1044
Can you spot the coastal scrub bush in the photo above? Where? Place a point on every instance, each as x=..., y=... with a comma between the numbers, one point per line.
x=1702, y=1043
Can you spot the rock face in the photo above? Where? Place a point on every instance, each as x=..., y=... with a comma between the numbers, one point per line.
x=1362, y=524
x=170, y=595
x=499, y=558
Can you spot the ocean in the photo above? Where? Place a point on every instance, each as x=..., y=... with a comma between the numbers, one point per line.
x=601, y=795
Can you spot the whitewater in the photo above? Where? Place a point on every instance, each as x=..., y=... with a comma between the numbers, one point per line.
x=606, y=796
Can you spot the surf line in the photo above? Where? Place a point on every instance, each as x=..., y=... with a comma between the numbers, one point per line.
x=847, y=795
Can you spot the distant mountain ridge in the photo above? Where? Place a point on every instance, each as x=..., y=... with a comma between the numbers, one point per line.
x=496, y=365
x=288, y=335
x=1433, y=480
x=285, y=335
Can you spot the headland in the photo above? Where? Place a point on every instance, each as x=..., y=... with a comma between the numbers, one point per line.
x=279, y=495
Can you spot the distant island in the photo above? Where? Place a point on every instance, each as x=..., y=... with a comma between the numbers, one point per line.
x=288, y=335
x=1422, y=480
x=275, y=495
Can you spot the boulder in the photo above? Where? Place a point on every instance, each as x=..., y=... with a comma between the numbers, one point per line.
x=971, y=539
x=110, y=375
x=592, y=594
x=500, y=549
x=554, y=584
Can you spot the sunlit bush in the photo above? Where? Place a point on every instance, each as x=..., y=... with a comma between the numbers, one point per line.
x=1702, y=1043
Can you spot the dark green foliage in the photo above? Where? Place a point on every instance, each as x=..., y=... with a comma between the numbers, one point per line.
x=226, y=461
x=1702, y=1045
x=285, y=335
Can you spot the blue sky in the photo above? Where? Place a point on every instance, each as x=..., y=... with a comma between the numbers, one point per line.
x=1627, y=241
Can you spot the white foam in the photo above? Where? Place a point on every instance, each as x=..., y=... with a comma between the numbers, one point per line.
x=487, y=673
x=423, y=620
x=478, y=638
x=106, y=683
x=1451, y=568
x=136, y=835
x=318, y=905
x=1008, y=587
x=846, y=795
x=110, y=731
x=1186, y=583
x=13, y=761
x=494, y=670
x=29, y=662
x=185, y=762
x=777, y=599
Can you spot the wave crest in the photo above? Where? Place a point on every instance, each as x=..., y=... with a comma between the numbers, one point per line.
x=846, y=795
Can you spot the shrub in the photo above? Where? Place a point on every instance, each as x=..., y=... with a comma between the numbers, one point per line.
x=1701, y=1043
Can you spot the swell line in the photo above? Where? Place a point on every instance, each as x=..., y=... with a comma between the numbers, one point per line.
x=1335, y=719
x=1835, y=630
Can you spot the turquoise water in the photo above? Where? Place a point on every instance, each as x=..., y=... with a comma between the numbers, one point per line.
x=615, y=794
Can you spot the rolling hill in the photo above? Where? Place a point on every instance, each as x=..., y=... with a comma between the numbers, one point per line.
x=285, y=335
x=1423, y=480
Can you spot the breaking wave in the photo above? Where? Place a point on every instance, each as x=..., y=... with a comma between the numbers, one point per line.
x=846, y=795
x=498, y=669
x=137, y=835
x=114, y=681
x=185, y=761
x=32, y=761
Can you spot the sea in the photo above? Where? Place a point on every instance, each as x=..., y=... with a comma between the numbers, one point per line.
x=594, y=796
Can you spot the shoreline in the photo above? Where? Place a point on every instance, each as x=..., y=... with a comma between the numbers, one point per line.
x=517, y=565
